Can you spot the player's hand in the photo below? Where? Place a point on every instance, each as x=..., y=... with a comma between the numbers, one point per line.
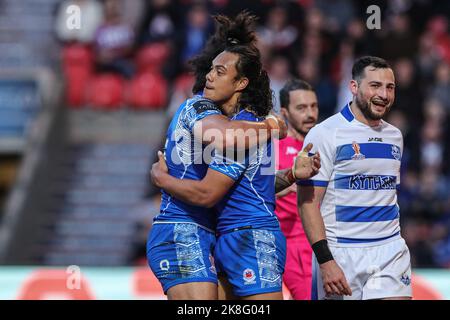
x=159, y=169
x=277, y=124
x=334, y=281
x=305, y=166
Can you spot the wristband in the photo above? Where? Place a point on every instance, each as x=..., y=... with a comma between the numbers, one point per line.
x=322, y=252
x=272, y=117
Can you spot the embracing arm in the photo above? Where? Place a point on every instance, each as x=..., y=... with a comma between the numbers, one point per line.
x=203, y=193
x=283, y=180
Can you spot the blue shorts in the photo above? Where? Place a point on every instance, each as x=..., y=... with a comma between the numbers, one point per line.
x=252, y=260
x=181, y=253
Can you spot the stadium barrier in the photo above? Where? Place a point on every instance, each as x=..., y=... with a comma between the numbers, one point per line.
x=100, y=283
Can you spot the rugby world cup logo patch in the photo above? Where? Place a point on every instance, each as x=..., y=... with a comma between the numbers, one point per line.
x=357, y=149
x=249, y=276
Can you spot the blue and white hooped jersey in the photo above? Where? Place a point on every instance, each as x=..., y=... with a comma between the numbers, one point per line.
x=360, y=167
x=251, y=200
x=184, y=157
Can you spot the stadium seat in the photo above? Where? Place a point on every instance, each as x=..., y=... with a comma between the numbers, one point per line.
x=77, y=55
x=105, y=91
x=76, y=79
x=184, y=82
x=147, y=90
x=152, y=57
x=77, y=66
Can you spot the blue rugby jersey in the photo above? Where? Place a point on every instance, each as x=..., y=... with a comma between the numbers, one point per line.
x=185, y=160
x=360, y=168
x=251, y=200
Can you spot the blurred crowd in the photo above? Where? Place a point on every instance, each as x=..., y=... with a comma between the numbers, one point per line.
x=315, y=40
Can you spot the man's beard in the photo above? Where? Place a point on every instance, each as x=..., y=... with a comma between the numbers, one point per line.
x=302, y=130
x=364, y=106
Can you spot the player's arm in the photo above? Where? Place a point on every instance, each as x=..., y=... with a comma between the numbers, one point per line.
x=225, y=133
x=204, y=193
x=304, y=167
x=309, y=199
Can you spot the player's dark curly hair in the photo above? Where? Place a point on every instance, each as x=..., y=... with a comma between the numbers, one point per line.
x=257, y=96
x=229, y=32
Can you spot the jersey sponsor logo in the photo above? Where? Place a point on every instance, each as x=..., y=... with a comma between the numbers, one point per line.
x=396, y=152
x=164, y=265
x=249, y=276
x=365, y=182
x=357, y=149
x=204, y=105
x=376, y=139
x=291, y=150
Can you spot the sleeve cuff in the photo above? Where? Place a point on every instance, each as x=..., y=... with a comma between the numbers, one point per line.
x=235, y=175
x=314, y=183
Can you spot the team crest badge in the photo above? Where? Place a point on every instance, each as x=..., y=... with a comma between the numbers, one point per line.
x=357, y=149
x=406, y=279
x=249, y=276
x=396, y=152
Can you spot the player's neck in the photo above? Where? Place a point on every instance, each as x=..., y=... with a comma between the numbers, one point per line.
x=361, y=117
x=295, y=134
x=229, y=107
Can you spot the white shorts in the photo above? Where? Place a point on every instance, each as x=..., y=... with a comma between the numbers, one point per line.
x=374, y=272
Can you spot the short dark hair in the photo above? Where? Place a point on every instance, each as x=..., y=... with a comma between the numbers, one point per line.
x=361, y=63
x=291, y=85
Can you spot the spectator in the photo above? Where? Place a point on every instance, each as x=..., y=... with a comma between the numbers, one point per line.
x=337, y=13
x=308, y=69
x=427, y=59
x=114, y=42
x=159, y=24
x=195, y=32
x=278, y=74
x=409, y=96
x=277, y=32
x=400, y=40
x=441, y=88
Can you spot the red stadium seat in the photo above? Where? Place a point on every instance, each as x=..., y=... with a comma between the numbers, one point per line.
x=105, y=91
x=76, y=79
x=77, y=64
x=184, y=82
x=152, y=57
x=147, y=91
x=77, y=55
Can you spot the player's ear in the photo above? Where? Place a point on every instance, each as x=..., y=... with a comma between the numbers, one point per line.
x=353, y=86
x=242, y=84
x=284, y=112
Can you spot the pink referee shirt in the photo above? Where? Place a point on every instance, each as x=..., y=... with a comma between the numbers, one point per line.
x=297, y=274
x=286, y=207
